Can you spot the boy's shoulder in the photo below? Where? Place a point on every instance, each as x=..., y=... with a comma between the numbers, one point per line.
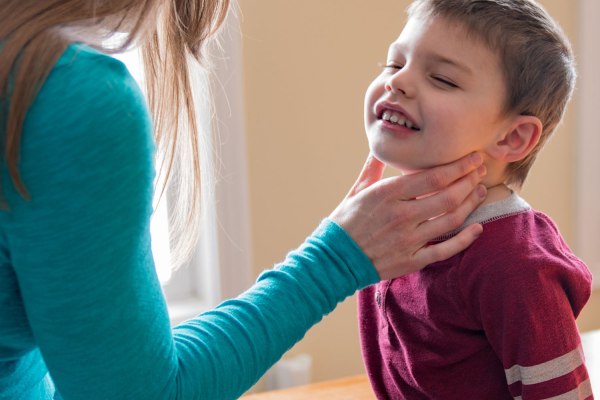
x=526, y=237
x=517, y=242
x=523, y=256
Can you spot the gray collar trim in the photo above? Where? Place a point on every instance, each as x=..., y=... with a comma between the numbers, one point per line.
x=513, y=204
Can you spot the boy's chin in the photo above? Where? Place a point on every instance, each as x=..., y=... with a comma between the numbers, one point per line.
x=404, y=165
x=406, y=169
x=410, y=171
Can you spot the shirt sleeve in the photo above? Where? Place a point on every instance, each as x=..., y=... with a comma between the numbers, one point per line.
x=527, y=309
x=80, y=248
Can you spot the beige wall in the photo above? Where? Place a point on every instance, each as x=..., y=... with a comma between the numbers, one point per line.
x=306, y=65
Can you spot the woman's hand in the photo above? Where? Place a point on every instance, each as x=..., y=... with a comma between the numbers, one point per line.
x=393, y=222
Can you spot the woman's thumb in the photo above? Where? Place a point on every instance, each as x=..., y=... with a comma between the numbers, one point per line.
x=371, y=172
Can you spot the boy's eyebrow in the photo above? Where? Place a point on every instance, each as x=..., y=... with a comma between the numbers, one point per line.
x=436, y=58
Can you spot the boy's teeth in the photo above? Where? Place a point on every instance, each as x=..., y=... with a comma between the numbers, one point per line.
x=396, y=118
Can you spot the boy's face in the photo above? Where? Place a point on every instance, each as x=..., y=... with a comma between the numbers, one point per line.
x=447, y=85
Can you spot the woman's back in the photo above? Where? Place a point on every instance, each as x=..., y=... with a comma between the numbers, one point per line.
x=87, y=154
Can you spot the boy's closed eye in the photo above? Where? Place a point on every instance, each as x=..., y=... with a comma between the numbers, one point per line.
x=439, y=80
x=443, y=81
x=391, y=65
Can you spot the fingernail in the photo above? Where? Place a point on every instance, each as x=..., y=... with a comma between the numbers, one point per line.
x=481, y=191
x=476, y=158
x=482, y=170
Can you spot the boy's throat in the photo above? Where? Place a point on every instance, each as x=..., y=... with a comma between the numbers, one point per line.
x=496, y=193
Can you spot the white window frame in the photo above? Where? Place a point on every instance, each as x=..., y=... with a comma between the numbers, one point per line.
x=588, y=158
x=220, y=267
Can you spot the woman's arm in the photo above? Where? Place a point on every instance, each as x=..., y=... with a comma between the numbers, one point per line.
x=81, y=251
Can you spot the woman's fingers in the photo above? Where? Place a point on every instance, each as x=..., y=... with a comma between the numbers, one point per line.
x=394, y=220
x=413, y=252
x=438, y=178
x=451, y=198
x=371, y=173
x=454, y=217
x=446, y=249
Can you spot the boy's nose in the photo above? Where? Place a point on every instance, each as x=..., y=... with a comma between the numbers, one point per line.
x=394, y=89
x=390, y=88
x=399, y=84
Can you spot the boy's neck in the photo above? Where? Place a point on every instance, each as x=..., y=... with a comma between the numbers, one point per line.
x=496, y=193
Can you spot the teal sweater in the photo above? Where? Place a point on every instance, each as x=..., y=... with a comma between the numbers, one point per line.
x=82, y=314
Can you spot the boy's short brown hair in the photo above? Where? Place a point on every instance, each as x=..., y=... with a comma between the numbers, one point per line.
x=534, y=53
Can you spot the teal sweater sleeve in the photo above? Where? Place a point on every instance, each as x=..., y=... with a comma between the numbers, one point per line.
x=80, y=250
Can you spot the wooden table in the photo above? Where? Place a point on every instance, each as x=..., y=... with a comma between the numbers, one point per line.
x=352, y=388
x=358, y=388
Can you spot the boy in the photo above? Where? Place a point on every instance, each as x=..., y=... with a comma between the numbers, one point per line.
x=498, y=320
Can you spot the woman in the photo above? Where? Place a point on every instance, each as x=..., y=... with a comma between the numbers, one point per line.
x=81, y=311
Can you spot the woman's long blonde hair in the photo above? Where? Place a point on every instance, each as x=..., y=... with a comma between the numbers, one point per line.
x=34, y=34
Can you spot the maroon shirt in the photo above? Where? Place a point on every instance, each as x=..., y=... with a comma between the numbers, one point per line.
x=496, y=321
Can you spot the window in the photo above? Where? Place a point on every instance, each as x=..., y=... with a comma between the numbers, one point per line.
x=220, y=267
x=588, y=190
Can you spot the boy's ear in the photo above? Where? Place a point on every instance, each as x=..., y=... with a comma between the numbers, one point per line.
x=519, y=140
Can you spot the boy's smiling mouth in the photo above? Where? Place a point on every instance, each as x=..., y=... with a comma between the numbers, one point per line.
x=397, y=118
x=394, y=114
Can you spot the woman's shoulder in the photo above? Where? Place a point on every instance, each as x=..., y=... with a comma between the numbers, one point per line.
x=84, y=77
x=88, y=91
x=88, y=113
x=83, y=59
